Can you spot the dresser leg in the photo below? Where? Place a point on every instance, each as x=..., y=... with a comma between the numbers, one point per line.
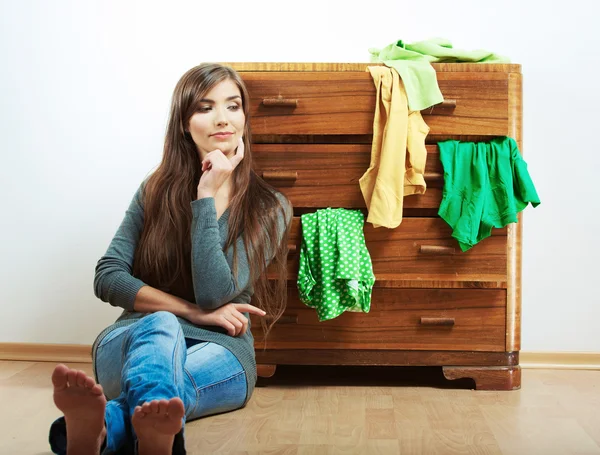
x=265, y=371
x=488, y=378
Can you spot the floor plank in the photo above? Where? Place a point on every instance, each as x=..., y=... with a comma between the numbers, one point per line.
x=358, y=411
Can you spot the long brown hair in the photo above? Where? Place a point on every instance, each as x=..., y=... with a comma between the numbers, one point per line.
x=163, y=256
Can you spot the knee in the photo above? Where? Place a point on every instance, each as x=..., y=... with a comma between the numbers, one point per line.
x=159, y=327
x=161, y=320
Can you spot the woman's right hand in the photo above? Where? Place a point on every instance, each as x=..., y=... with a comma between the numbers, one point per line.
x=229, y=316
x=216, y=169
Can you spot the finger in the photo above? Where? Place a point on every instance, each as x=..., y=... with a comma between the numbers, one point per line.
x=239, y=153
x=227, y=326
x=210, y=158
x=247, y=308
x=236, y=323
x=206, y=164
x=243, y=319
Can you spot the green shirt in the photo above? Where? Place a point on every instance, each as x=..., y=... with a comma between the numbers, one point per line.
x=413, y=63
x=486, y=184
x=335, y=272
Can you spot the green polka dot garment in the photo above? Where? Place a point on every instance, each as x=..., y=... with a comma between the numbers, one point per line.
x=336, y=273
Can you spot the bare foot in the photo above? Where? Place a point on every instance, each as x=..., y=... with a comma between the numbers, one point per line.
x=156, y=423
x=82, y=402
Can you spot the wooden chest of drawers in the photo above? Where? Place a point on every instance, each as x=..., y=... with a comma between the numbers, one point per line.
x=432, y=304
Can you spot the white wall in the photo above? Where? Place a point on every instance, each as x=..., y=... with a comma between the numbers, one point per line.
x=84, y=94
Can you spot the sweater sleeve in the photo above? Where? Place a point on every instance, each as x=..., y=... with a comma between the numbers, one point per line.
x=213, y=278
x=113, y=280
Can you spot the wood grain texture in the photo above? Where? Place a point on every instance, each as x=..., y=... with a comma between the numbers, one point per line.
x=315, y=150
x=46, y=352
x=396, y=253
x=265, y=371
x=362, y=66
x=527, y=359
x=343, y=103
x=515, y=233
x=395, y=323
x=379, y=357
x=354, y=410
x=365, y=139
x=327, y=175
x=487, y=378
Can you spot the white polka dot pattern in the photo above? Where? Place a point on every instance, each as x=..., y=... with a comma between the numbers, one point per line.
x=336, y=273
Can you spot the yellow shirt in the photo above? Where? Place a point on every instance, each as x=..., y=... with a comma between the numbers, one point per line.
x=398, y=152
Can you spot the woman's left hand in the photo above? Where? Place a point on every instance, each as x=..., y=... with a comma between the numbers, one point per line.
x=229, y=316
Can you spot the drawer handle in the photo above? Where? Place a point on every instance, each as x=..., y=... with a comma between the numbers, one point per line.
x=280, y=102
x=436, y=250
x=280, y=176
x=292, y=249
x=445, y=105
x=431, y=177
x=436, y=322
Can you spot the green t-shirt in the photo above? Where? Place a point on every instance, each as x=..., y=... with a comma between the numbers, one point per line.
x=335, y=272
x=486, y=184
x=413, y=63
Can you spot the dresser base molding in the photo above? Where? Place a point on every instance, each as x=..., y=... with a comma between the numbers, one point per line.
x=487, y=378
x=384, y=358
x=489, y=370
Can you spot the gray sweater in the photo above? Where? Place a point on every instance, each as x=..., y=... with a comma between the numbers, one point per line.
x=212, y=277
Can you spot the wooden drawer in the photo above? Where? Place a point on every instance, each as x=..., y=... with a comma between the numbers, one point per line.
x=421, y=319
x=317, y=175
x=422, y=253
x=325, y=103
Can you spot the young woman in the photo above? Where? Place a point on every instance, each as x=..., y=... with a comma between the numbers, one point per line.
x=189, y=257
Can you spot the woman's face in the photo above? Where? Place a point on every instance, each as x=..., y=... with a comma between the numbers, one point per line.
x=219, y=121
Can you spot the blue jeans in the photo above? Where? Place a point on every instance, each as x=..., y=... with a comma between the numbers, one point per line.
x=151, y=360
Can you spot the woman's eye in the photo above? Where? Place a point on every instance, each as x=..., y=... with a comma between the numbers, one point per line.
x=204, y=109
x=235, y=107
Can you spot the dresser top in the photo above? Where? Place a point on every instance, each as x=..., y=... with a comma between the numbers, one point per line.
x=359, y=67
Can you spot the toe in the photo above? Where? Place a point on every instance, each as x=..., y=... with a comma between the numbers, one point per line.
x=89, y=382
x=72, y=377
x=81, y=378
x=97, y=389
x=59, y=376
x=154, y=406
x=162, y=406
x=146, y=407
x=175, y=408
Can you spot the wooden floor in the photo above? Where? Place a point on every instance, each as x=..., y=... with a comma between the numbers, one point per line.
x=354, y=411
